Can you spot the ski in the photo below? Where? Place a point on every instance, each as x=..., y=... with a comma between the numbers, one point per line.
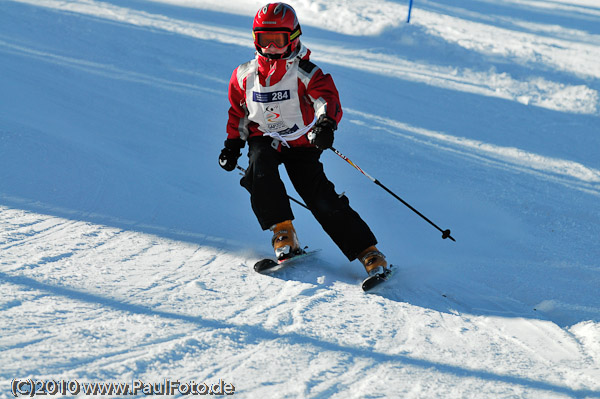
x=376, y=280
x=268, y=265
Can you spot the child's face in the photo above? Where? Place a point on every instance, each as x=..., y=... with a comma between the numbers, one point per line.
x=274, y=50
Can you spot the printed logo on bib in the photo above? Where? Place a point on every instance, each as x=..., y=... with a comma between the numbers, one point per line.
x=272, y=96
x=273, y=117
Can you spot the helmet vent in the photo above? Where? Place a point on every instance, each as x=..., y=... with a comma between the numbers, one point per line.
x=280, y=7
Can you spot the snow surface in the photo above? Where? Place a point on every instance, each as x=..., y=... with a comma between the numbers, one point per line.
x=126, y=253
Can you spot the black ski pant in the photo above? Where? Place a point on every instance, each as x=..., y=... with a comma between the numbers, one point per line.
x=271, y=204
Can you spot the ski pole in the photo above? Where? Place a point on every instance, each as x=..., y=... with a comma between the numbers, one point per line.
x=445, y=233
x=291, y=198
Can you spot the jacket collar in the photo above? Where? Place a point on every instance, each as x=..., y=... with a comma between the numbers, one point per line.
x=271, y=71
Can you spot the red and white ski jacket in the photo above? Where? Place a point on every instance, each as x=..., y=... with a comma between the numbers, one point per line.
x=280, y=98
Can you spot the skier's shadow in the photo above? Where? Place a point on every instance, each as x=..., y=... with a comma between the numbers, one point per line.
x=320, y=273
x=409, y=286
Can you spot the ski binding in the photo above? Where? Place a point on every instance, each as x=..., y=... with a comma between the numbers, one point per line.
x=375, y=280
x=268, y=265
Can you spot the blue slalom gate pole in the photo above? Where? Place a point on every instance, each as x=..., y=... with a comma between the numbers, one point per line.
x=409, y=10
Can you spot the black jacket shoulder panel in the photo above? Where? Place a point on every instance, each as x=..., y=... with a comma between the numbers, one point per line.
x=306, y=66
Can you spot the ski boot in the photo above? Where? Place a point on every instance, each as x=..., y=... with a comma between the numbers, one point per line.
x=373, y=261
x=285, y=242
x=377, y=268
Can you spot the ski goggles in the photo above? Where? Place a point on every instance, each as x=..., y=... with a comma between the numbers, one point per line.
x=279, y=39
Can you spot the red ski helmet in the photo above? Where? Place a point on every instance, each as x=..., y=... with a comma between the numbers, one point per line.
x=276, y=25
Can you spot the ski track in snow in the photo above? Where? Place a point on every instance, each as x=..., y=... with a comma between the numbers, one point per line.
x=569, y=173
x=108, y=71
x=87, y=300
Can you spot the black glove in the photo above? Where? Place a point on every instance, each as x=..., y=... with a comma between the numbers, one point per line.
x=230, y=154
x=321, y=134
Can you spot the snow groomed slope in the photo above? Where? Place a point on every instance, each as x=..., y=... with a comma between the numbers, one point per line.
x=126, y=254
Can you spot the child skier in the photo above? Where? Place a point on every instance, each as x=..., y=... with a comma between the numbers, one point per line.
x=287, y=109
